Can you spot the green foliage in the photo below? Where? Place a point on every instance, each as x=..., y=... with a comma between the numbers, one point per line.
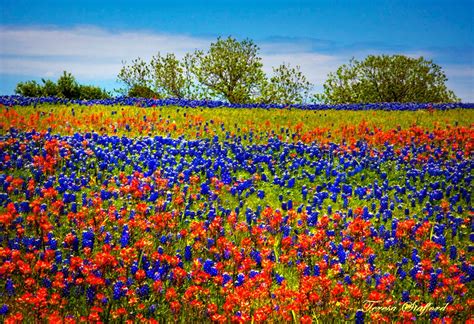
x=88, y=92
x=66, y=87
x=28, y=89
x=49, y=89
x=230, y=69
x=287, y=86
x=384, y=78
x=141, y=91
x=138, y=73
x=171, y=76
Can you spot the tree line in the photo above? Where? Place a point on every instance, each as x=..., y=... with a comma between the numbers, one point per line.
x=232, y=71
x=65, y=87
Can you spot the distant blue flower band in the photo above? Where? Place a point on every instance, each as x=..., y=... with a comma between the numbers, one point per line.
x=142, y=102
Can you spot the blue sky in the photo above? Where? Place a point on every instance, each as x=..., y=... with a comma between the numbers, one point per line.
x=40, y=39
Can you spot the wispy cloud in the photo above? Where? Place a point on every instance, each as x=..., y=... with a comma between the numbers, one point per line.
x=90, y=52
x=95, y=54
x=86, y=51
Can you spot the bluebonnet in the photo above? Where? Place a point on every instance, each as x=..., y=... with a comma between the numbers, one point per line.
x=453, y=252
x=279, y=278
x=90, y=295
x=17, y=100
x=118, y=291
x=88, y=239
x=226, y=278
x=316, y=271
x=240, y=280
x=143, y=291
x=188, y=253
x=253, y=273
x=4, y=309
x=359, y=317
x=9, y=287
x=434, y=315
x=124, y=239
x=405, y=296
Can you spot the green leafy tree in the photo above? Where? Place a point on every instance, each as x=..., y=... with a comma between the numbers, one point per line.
x=49, y=88
x=68, y=86
x=87, y=92
x=171, y=76
x=137, y=75
x=287, y=86
x=194, y=89
x=139, y=91
x=384, y=78
x=28, y=89
x=230, y=69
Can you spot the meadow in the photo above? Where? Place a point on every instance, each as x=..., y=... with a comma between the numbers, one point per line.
x=112, y=213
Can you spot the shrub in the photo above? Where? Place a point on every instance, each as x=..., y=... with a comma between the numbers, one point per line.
x=29, y=89
x=140, y=91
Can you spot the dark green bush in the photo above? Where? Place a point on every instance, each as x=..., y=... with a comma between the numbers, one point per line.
x=92, y=92
x=29, y=89
x=49, y=89
x=66, y=87
x=139, y=91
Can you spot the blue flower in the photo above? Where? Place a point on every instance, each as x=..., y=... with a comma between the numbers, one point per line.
x=359, y=317
x=125, y=238
x=90, y=295
x=279, y=279
x=4, y=309
x=143, y=292
x=9, y=287
x=240, y=280
x=118, y=291
x=188, y=255
x=405, y=296
x=88, y=239
x=226, y=278
x=453, y=253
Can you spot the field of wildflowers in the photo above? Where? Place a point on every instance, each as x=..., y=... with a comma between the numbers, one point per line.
x=112, y=213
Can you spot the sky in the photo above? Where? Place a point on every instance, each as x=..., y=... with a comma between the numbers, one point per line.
x=91, y=39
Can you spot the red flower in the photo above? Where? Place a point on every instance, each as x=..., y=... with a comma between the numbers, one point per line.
x=140, y=275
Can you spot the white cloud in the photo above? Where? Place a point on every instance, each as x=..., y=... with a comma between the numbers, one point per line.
x=89, y=52
x=96, y=54
x=91, y=42
x=455, y=70
x=315, y=66
x=86, y=52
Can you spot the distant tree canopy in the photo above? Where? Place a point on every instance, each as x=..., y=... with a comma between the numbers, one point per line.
x=229, y=70
x=384, y=78
x=65, y=87
x=232, y=70
x=287, y=86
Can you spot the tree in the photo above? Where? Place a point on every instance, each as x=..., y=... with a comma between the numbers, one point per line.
x=287, y=86
x=28, y=89
x=136, y=75
x=87, y=92
x=139, y=91
x=68, y=86
x=49, y=89
x=384, y=78
x=230, y=69
x=171, y=76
